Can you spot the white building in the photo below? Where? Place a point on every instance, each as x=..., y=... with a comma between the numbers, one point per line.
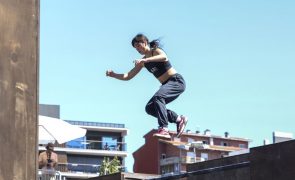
x=81, y=158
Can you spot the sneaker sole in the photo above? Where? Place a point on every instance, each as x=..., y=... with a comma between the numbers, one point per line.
x=162, y=136
x=181, y=131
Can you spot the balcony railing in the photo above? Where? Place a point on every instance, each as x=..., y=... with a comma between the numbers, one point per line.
x=94, y=145
x=97, y=145
x=42, y=174
x=78, y=168
x=182, y=159
x=190, y=159
x=81, y=168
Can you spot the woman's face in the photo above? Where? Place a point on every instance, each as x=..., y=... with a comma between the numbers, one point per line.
x=141, y=47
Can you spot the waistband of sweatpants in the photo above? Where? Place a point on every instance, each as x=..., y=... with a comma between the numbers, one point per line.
x=171, y=77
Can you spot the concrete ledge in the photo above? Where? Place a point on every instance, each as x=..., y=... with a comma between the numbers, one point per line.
x=273, y=162
x=123, y=176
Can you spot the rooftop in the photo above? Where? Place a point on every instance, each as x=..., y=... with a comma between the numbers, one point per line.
x=207, y=147
x=99, y=124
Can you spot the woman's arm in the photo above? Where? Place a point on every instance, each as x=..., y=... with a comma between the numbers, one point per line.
x=54, y=161
x=126, y=76
x=42, y=163
x=159, y=56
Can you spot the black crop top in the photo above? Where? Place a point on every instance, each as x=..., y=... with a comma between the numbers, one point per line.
x=157, y=68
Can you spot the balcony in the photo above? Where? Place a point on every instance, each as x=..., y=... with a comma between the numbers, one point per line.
x=182, y=160
x=78, y=168
x=93, y=145
x=96, y=145
x=190, y=159
x=79, y=171
x=90, y=147
x=169, y=160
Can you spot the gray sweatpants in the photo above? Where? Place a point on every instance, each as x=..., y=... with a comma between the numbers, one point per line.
x=168, y=91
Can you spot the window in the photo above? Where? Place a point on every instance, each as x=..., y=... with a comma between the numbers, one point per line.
x=224, y=143
x=167, y=169
x=242, y=146
x=109, y=143
x=176, y=168
x=204, y=156
x=190, y=140
x=176, y=139
x=77, y=143
x=191, y=154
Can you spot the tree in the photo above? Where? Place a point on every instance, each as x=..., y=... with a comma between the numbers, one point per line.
x=109, y=167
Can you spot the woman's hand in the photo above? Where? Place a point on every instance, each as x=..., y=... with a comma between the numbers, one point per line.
x=127, y=76
x=139, y=62
x=110, y=73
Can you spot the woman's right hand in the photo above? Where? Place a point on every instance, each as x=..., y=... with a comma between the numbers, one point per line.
x=139, y=62
x=110, y=73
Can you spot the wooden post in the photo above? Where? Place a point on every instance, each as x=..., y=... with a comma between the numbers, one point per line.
x=19, y=72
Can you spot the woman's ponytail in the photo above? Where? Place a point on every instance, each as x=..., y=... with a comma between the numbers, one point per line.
x=155, y=44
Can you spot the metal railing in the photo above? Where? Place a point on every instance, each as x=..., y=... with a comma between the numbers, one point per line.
x=49, y=174
x=94, y=145
x=181, y=159
x=77, y=167
x=98, y=124
x=97, y=145
x=81, y=168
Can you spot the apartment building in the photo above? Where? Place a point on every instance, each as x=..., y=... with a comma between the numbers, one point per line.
x=81, y=158
x=162, y=156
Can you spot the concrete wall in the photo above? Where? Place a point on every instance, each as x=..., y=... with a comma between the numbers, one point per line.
x=19, y=56
x=273, y=162
x=221, y=171
x=125, y=176
x=115, y=176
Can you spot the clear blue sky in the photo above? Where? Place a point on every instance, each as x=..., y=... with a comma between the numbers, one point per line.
x=237, y=57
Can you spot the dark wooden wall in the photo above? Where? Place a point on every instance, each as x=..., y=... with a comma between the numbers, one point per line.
x=19, y=66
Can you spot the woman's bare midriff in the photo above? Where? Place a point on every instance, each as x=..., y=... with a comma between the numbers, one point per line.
x=164, y=77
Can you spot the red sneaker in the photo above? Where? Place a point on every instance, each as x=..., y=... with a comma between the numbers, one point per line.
x=181, y=125
x=162, y=132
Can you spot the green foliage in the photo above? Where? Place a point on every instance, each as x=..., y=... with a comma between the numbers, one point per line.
x=109, y=167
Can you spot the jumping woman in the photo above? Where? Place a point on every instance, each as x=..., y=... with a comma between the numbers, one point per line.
x=155, y=61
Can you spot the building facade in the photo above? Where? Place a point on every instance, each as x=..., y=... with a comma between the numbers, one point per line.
x=81, y=158
x=162, y=156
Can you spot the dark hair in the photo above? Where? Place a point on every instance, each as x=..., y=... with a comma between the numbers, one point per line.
x=49, y=146
x=142, y=38
x=155, y=43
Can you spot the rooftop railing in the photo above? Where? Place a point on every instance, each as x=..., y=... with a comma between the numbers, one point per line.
x=99, y=124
